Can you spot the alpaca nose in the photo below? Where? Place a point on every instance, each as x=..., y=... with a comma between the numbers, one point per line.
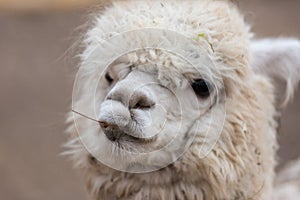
x=121, y=111
x=139, y=99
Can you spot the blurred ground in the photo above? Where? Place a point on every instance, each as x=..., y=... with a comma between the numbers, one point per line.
x=36, y=85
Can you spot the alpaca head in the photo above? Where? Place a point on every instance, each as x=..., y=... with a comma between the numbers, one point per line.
x=153, y=88
x=167, y=88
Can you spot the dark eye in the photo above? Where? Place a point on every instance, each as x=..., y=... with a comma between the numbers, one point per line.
x=108, y=78
x=201, y=88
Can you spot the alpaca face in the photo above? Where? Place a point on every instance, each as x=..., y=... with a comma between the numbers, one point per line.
x=150, y=102
x=147, y=119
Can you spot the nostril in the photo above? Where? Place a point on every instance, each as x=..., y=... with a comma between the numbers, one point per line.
x=141, y=102
x=115, y=96
x=141, y=105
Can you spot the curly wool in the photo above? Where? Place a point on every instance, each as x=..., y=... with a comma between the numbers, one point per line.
x=241, y=165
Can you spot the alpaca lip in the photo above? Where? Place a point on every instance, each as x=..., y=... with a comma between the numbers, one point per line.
x=116, y=135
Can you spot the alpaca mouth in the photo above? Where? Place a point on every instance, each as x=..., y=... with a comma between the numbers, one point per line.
x=118, y=135
x=115, y=134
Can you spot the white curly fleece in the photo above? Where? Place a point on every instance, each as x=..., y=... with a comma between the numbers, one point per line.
x=241, y=165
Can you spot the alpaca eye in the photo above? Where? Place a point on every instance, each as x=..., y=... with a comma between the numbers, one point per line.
x=201, y=88
x=108, y=78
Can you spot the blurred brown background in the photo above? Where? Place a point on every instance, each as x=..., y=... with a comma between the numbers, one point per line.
x=36, y=77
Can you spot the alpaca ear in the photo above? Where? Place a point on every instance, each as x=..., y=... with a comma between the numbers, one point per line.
x=279, y=60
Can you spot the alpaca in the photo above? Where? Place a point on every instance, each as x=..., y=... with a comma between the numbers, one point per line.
x=176, y=100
